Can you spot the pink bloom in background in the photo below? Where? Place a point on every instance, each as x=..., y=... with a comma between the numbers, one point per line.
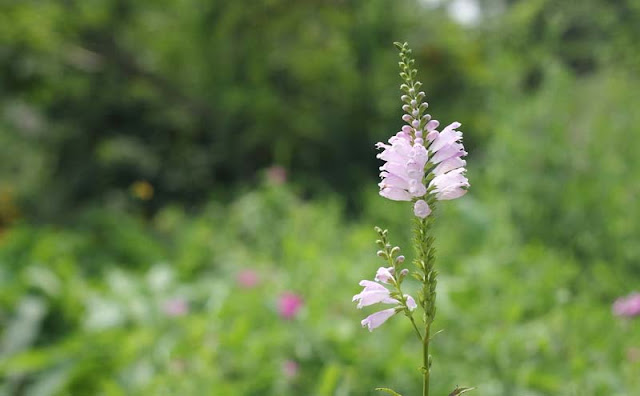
x=628, y=306
x=176, y=307
x=277, y=175
x=289, y=304
x=248, y=278
x=290, y=369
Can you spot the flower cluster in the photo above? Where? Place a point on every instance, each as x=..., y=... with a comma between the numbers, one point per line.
x=374, y=293
x=420, y=154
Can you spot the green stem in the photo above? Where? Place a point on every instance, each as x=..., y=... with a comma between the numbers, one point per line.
x=425, y=357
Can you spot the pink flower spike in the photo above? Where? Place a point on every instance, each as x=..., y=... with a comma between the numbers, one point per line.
x=376, y=319
x=289, y=305
x=421, y=209
x=384, y=274
x=247, y=278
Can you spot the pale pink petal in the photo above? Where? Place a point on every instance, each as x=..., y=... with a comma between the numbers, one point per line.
x=411, y=303
x=450, y=185
x=448, y=165
x=448, y=136
x=417, y=189
x=448, y=151
x=376, y=319
x=371, y=285
x=395, y=194
x=370, y=297
x=384, y=274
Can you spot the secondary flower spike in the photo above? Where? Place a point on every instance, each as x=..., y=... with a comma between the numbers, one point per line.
x=374, y=293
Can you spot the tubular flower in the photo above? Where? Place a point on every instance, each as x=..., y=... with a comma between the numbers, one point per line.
x=374, y=293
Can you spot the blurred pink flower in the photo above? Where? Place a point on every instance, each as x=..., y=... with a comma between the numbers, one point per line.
x=290, y=368
x=628, y=306
x=248, y=278
x=289, y=304
x=176, y=307
x=277, y=175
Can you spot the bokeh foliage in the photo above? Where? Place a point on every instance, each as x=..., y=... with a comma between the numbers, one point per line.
x=133, y=139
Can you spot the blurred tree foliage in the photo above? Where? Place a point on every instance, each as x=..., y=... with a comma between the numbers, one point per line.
x=194, y=97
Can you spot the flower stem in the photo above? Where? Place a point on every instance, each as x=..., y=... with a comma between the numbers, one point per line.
x=425, y=357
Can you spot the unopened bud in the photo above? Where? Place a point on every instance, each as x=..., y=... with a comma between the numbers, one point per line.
x=406, y=118
x=411, y=90
x=399, y=259
x=413, y=103
x=405, y=98
x=404, y=272
x=406, y=108
x=415, y=124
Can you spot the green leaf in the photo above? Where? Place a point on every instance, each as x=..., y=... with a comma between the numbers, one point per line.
x=389, y=391
x=459, y=391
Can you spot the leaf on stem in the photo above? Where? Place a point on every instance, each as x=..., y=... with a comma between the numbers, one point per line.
x=459, y=391
x=389, y=391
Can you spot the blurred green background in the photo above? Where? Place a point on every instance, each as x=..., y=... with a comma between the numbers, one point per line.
x=171, y=170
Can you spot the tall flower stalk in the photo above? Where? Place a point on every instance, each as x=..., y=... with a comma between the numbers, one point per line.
x=422, y=166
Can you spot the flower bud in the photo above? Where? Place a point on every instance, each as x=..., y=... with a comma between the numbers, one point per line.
x=399, y=259
x=404, y=98
x=411, y=90
x=415, y=124
x=413, y=103
x=406, y=108
x=406, y=118
x=404, y=272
